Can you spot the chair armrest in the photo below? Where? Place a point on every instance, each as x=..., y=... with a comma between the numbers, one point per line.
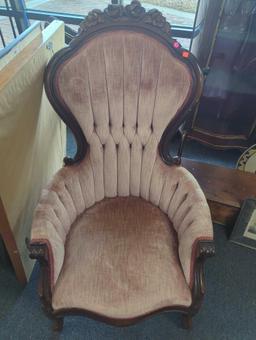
x=42, y=250
x=195, y=242
x=175, y=190
x=64, y=199
x=192, y=221
x=47, y=247
x=204, y=249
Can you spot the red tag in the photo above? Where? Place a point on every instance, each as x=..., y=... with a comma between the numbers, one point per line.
x=185, y=54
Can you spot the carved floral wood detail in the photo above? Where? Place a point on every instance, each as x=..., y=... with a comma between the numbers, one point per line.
x=134, y=11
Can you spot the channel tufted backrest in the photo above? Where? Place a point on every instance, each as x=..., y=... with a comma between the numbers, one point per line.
x=123, y=88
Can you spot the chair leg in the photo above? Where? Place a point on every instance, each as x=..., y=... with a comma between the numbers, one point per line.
x=57, y=324
x=187, y=321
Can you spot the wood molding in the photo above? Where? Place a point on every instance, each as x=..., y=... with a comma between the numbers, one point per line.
x=223, y=214
x=220, y=142
x=204, y=249
x=17, y=63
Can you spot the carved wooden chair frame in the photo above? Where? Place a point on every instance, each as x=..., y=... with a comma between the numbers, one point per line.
x=135, y=18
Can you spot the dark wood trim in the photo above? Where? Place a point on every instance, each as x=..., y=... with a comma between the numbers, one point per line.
x=223, y=214
x=119, y=322
x=11, y=246
x=58, y=324
x=132, y=17
x=220, y=142
x=185, y=113
x=204, y=249
x=41, y=253
x=226, y=186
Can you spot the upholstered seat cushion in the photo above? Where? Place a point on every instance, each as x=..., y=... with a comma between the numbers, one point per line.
x=121, y=261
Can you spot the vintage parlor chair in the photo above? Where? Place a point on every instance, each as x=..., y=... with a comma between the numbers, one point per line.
x=122, y=230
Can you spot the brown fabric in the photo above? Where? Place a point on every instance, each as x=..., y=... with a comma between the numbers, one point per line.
x=121, y=260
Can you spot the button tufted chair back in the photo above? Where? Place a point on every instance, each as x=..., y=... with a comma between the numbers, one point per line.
x=123, y=88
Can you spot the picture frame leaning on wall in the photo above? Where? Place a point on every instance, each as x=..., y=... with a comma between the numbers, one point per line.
x=244, y=232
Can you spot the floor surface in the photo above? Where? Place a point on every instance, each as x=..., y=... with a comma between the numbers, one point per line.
x=228, y=312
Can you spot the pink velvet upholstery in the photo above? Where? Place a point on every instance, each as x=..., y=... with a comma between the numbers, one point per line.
x=123, y=88
x=124, y=253
x=123, y=97
x=72, y=191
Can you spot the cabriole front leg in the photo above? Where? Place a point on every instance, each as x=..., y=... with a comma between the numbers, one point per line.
x=57, y=324
x=204, y=250
x=39, y=252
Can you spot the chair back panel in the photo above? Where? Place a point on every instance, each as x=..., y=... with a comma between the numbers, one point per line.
x=124, y=88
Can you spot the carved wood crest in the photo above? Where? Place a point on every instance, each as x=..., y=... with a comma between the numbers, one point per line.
x=134, y=12
x=118, y=17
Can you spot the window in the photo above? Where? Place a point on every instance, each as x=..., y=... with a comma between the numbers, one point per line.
x=180, y=13
x=8, y=31
x=177, y=12
x=81, y=7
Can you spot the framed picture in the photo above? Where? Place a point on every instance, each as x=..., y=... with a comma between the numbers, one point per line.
x=244, y=232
